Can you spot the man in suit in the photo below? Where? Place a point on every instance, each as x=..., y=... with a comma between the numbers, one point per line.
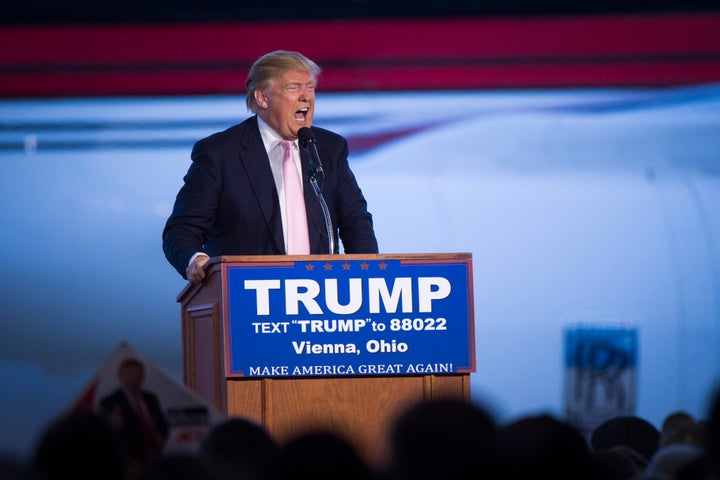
x=136, y=417
x=232, y=199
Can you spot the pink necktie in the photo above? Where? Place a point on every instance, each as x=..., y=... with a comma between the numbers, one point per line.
x=297, y=228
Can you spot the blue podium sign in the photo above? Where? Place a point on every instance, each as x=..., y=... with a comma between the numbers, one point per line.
x=349, y=317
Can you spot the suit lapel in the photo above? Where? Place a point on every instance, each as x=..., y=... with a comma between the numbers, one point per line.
x=257, y=165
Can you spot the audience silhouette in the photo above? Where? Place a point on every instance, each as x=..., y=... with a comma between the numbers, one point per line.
x=80, y=446
x=15, y=469
x=443, y=439
x=707, y=466
x=322, y=455
x=620, y=462
x=670, y=459
x=629, y=430
x=545, y=446
x=239, y=449
x=177, y=466
x=448, y=439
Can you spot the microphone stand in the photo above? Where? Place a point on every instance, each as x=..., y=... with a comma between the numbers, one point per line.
x=323, y=205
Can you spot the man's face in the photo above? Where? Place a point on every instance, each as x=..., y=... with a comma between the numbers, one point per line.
x=287, y=103
x=132, y=376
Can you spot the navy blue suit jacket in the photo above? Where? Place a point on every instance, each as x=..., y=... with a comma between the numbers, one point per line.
x=131, y=435
x=228, y=204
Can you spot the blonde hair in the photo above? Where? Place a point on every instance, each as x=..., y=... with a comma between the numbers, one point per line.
x=272, y=65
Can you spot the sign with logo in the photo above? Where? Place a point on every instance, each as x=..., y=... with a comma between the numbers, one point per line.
x=601, y=373
x=349, y=317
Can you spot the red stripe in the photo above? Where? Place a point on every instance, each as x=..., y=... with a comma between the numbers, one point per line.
x=364, y=55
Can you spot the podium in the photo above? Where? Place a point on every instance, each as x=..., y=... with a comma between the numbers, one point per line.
x=359, y=401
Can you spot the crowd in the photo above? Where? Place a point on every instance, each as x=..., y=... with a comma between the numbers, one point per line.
x=438, y=439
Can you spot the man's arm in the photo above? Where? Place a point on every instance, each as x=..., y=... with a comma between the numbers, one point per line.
x=354, y=221
x=191, y=221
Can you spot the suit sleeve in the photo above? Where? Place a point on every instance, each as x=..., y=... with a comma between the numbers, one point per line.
x=156, y=412
x=353, y=220
x=191, y=221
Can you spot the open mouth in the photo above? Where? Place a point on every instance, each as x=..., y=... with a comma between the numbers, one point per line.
x=301, y=115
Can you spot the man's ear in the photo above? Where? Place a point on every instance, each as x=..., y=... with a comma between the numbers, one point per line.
x=261, y=98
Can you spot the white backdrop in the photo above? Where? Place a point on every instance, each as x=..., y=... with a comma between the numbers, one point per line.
x=575, y=204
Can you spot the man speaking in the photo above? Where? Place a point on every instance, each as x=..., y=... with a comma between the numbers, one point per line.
x=253, y=189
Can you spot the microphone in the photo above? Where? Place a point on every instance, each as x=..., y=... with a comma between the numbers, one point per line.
x=307, y=141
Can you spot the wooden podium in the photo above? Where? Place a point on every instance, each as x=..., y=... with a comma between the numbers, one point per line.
x=361, y=408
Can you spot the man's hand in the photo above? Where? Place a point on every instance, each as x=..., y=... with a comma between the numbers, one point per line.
x=195, y=272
